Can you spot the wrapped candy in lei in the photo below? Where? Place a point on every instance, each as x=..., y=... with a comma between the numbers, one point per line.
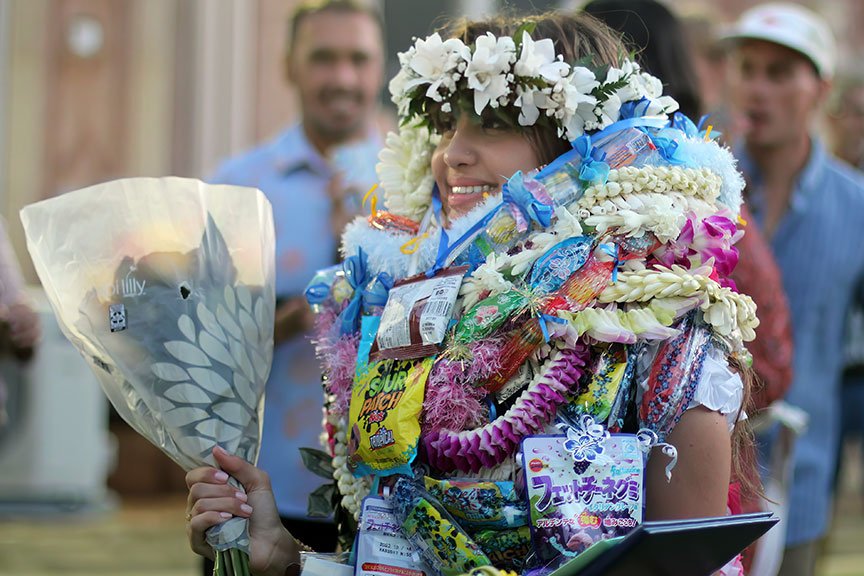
x=578, y=306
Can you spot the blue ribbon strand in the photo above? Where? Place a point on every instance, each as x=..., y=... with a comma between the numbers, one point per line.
x=519, y=198
x=612, y=250
x=543, y=318
x=638, y=122
x=445, y=248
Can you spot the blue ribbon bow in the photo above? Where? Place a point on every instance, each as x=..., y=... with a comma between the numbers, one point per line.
x=356, y=273
x=634, y=109
x=593, y=169
x=669, y=149
x=376, y=294
x=355, y=270
x=681, y=122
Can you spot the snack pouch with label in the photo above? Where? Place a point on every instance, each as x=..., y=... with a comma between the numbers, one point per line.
x=382, y=550
x=480, y=504
x=384, y=416
x=581, y=489
x=443, y=544
x=417, y=315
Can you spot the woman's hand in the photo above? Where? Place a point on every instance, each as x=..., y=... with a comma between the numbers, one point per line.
x=212, y=501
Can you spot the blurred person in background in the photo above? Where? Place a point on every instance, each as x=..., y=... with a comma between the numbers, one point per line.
x=19, y=324
x=845, y=119
x=845, y=124
x=810, y=206
x=335, y=61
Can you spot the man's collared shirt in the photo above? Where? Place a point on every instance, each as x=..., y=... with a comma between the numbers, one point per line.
x=817, y=246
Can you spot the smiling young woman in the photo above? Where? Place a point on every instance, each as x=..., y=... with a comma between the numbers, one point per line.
x=589, y=257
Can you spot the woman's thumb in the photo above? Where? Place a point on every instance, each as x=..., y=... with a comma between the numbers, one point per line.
x=237, y=467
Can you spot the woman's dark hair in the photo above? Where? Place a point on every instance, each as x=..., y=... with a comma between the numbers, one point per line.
x=659, y=40
x=576, y=37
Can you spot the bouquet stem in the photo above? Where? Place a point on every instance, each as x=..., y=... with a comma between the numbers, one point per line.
x=232, y=562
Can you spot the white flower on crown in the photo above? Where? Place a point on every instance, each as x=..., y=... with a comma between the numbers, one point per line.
x=539, y=59
x=578, y=102
x=488, y=72
x=438, y=63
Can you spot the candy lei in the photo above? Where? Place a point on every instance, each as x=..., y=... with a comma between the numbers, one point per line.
x=633, y=201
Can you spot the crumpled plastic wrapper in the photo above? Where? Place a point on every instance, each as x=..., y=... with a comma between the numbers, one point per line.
x=166, y=288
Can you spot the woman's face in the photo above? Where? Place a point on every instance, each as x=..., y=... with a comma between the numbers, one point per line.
x=474, y=159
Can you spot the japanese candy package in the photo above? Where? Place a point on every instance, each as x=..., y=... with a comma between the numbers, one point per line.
x=166, y=288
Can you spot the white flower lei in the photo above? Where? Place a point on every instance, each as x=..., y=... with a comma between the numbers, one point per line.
x=404, y=170
x=697, y=182
x=732, y=315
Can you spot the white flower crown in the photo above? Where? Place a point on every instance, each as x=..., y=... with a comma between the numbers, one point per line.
x=522, y=73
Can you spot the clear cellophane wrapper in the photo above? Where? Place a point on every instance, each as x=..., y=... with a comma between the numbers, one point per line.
x=166, y=288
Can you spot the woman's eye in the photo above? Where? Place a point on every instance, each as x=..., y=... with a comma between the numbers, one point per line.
x=494, y=124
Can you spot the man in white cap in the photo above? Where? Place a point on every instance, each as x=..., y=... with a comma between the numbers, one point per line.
x=811, y=208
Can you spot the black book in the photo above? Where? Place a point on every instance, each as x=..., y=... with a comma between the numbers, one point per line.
x=694, y=547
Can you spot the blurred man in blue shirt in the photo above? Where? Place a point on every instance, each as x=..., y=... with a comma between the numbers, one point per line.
x=811, y=208
x=335, y=61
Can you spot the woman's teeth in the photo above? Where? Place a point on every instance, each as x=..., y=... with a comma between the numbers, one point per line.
x=472, y=189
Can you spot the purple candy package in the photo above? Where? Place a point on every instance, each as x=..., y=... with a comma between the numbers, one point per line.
x=582, y=487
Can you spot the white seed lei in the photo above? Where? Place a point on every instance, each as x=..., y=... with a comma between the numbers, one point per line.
x=352, y=489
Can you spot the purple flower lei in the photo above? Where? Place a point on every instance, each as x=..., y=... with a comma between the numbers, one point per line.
x=489, y=445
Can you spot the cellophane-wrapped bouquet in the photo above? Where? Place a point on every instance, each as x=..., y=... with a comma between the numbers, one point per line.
x=166, y=288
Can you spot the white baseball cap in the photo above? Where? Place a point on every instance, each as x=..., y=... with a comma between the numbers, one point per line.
x=792, y=26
